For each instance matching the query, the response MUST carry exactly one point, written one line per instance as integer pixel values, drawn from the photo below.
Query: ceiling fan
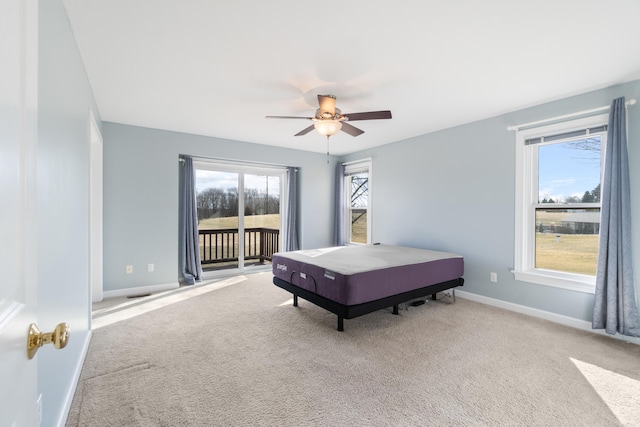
(329, 120)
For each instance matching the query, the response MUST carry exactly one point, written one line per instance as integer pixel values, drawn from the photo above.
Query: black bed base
(352, 311)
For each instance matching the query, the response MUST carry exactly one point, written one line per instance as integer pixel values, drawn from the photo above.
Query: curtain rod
(368, 159)
(567, 116)
(234, 162)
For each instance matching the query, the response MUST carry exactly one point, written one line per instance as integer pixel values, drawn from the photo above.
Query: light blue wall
(454, 190)
(65, 98)
(141, 196)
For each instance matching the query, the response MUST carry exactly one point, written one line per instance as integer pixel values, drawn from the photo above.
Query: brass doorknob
(36, 339)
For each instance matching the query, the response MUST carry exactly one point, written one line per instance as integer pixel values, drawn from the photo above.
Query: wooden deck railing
(221, 246)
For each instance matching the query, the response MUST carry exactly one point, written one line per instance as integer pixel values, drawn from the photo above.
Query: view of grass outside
(572, 253)
(252, 221)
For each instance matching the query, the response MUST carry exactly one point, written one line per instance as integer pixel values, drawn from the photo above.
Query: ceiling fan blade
(287, 117)
(370, 115)
(327, 104)
(305, 131)
(351, 130)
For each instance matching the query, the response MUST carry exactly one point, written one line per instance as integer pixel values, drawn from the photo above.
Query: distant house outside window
(558, 175)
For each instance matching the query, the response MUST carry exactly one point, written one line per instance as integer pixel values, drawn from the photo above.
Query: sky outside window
(218, 179)
(568, 169)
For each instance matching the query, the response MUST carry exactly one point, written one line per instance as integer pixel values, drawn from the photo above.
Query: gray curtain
(615, 306)
(290, 235)
(339, 204)
(191, 268)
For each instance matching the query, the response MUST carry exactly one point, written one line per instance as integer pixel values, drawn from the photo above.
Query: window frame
(353, 168)
(526, 201)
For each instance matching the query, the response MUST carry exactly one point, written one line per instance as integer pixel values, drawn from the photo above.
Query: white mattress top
(355, 259)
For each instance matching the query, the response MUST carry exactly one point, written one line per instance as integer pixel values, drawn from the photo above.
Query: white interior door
(18, 141)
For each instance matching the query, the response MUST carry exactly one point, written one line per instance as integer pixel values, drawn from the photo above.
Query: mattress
(358, 274)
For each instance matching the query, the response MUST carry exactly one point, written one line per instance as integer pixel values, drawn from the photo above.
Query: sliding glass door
(262, 217)
(239, 218)
(218, 220)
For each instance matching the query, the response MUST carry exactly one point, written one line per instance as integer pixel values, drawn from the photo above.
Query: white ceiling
(216, 68)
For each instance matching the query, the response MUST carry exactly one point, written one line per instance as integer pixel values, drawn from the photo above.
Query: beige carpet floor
(235, 352)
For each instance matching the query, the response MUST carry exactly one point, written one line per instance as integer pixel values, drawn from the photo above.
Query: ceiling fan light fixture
(329, 120)
(328, 127)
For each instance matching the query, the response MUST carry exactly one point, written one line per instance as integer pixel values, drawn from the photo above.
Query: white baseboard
(76, 378)
(140, 290)
(541, 314)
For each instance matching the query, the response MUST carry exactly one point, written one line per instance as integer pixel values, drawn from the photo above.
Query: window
(558, 175)
(239, 218)
(357, 190)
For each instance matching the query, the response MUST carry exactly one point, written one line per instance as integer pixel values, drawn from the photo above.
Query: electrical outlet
(494, 277)
(150, 267)
(129, 269)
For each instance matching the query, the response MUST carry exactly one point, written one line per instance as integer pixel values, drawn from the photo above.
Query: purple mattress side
(367, 286)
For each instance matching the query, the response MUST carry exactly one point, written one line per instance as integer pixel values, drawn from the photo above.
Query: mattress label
(330, 275)
(302, 275)
(281, 267)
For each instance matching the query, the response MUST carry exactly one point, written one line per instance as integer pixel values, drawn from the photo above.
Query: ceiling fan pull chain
(327, 149)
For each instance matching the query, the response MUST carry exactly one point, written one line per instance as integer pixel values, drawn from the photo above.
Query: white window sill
(573, 282)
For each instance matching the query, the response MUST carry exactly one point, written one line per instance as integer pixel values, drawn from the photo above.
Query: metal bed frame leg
(453, 295)
(340, 323)
(295, 300)
(395, 309)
